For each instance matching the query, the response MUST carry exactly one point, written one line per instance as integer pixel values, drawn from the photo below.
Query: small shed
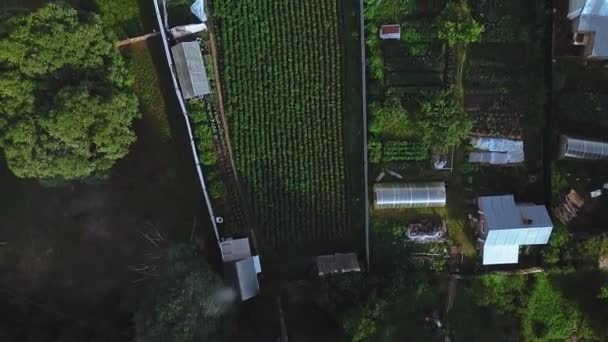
(590, 26)
(390, 31)
(409, 195)
(190, 69)
(338, 263)
(241, 275)
(505, 226)
(582, 148)
(240, 267)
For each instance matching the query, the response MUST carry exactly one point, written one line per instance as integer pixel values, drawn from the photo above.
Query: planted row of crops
(281, 67)
(397, 151)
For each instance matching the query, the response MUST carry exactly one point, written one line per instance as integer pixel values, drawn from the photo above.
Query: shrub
(442, 120)
(457, 26)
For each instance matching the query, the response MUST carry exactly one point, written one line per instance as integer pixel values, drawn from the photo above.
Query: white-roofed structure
(235, 249)
(409, 195)
(506, 225)
(590, 26)
(582, 148)
(190, 70)
(198, 9)
(241, 268)
(496, 151)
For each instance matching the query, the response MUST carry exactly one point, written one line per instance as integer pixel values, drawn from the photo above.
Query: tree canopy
(65, 107)
(183, 303)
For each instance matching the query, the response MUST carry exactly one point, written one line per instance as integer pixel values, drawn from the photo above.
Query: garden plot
(281, 64)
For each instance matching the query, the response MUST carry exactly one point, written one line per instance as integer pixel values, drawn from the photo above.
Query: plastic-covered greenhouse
(409, 195)
(582, 148)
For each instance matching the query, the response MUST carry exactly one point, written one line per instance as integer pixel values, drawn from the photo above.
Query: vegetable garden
(281, 64)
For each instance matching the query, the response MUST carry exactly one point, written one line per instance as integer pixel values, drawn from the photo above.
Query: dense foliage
(390, 119)
(550, 316)
(201, 112)
(282, 71)
(65, 112)
(442, 120)
(457, 26)
(184, 303)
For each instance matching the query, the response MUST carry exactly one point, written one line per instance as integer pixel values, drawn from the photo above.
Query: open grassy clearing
(284, 73)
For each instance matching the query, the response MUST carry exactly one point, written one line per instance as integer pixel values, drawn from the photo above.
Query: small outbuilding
(409, 195)
(506, 225)
(578, 148)
(590, 26)
(390, 32)
(496, 151)
(190, 70)
(240, 268)
(338, 263)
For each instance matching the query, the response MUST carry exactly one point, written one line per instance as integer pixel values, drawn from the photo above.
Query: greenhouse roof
(190, 69)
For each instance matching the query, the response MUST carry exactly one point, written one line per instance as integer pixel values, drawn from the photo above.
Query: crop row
(281, 67)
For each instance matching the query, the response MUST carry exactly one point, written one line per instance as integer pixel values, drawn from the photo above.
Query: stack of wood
(569, 207)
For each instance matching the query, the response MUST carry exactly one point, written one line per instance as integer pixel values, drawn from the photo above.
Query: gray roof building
(190, 70)
(590, 25)
(507, 225)
(241, 275)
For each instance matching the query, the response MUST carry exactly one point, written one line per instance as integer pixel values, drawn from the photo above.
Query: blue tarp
(198, 9)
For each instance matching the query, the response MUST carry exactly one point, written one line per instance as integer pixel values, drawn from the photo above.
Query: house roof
(495, 255)
(390, 31)
(190, 69)
(510, 225)
(235, 249)
(242, 277)
(592, 17)
(501, 212)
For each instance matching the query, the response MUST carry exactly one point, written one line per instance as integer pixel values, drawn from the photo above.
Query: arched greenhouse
(582, 148)
(409, 195)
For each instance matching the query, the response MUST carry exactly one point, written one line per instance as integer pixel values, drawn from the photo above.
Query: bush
(457, 26)
(442, 120)
(390, 120)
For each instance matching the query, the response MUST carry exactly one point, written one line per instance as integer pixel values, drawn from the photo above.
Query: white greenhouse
(582, 148)
(409, 195)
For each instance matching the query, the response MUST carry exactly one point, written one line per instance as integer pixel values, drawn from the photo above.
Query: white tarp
(198, 9)
(496, 151)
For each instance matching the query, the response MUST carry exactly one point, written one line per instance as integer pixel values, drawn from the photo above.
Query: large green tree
(66, 109)
(184, 303)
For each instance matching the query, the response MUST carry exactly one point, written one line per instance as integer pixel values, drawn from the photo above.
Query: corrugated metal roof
(501, 212)
(495, 255)
(190, 70)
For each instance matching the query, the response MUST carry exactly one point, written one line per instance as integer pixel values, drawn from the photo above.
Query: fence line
(364, 104)
(182, 105)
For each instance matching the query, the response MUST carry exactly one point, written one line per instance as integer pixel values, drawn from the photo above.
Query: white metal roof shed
(409, 195)
(509, 225)
(190, 70)
(592, 16)
(242, 277)
(235, 249)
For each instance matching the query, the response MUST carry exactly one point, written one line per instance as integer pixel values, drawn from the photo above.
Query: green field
(284, 70)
